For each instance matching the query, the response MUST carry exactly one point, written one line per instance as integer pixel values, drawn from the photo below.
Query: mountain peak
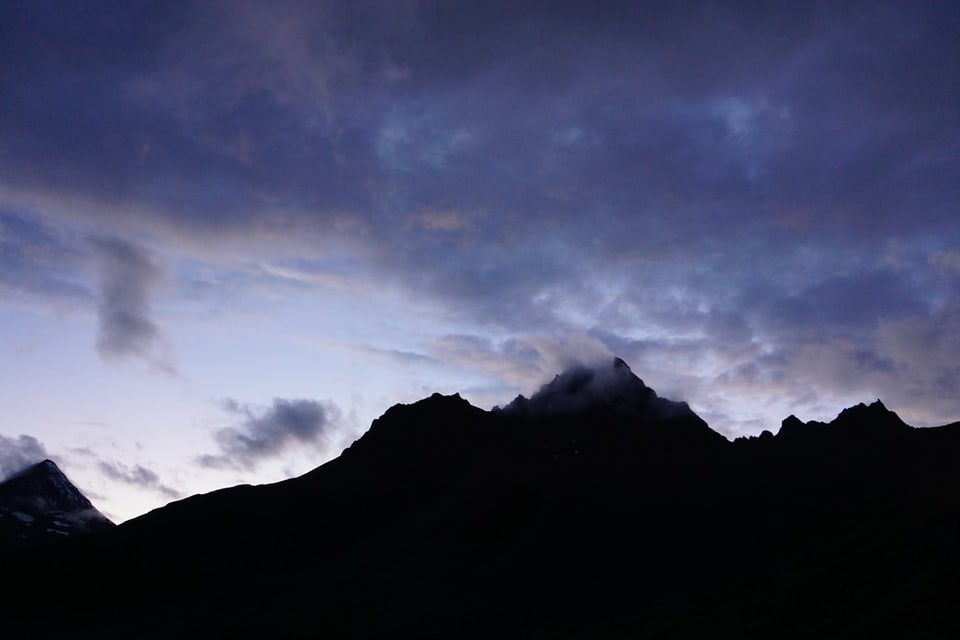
(858, 419)
(790, 425)
(40, 502)
(44, 480)
(874, 417)
(425, 425)
(582, 387)
(45, 469)
(608, 406)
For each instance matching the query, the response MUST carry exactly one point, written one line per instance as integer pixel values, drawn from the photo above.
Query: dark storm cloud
(267, 433)
(126, 104)
(659, 126)
(138, 476)
(267, 94)
(128, 275)
(740, 179)
(645, 168)
(18, 453)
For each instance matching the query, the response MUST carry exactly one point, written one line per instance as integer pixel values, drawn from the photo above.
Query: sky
(234, 233)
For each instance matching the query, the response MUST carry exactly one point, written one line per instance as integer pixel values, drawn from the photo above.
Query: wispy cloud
(138, 476)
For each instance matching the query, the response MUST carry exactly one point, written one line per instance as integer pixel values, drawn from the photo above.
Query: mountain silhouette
(593, 509)
(869, 421)
(39, 503)
(608, 411)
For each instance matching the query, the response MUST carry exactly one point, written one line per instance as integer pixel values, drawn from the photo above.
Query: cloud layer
(740, 200)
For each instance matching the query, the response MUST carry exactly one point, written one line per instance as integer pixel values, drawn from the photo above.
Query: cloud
(268, 433)
(707, 185)
(19, 453)
(395, 357)
(128, 277)
(518, 364)
(608, 383)
(138, 476)
(240, 44)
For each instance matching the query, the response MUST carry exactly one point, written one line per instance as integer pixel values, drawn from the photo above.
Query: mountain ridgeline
(593, 509)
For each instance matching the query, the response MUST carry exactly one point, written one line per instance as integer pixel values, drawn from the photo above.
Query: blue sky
(233, 233)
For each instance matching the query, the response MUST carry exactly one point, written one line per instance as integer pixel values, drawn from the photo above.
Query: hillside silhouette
(593, 509)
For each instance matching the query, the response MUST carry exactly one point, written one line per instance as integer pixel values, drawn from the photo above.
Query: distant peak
(791, 425)
(45, 477)
(875, 414)
(44, 468)
(859, 418)
(440, 398)
(48, 465)
(791, 421)
(609, 384)
(874, 409)
(44, 493)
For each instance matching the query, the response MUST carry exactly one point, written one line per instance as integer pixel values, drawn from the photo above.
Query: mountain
(593, 509)
(608, 409)
(871, 421)
(39, 503)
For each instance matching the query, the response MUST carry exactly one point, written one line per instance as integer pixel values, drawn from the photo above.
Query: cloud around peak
(19, 453)
(743, 198)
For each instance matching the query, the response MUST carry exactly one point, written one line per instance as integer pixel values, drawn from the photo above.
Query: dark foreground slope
(594, 509)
